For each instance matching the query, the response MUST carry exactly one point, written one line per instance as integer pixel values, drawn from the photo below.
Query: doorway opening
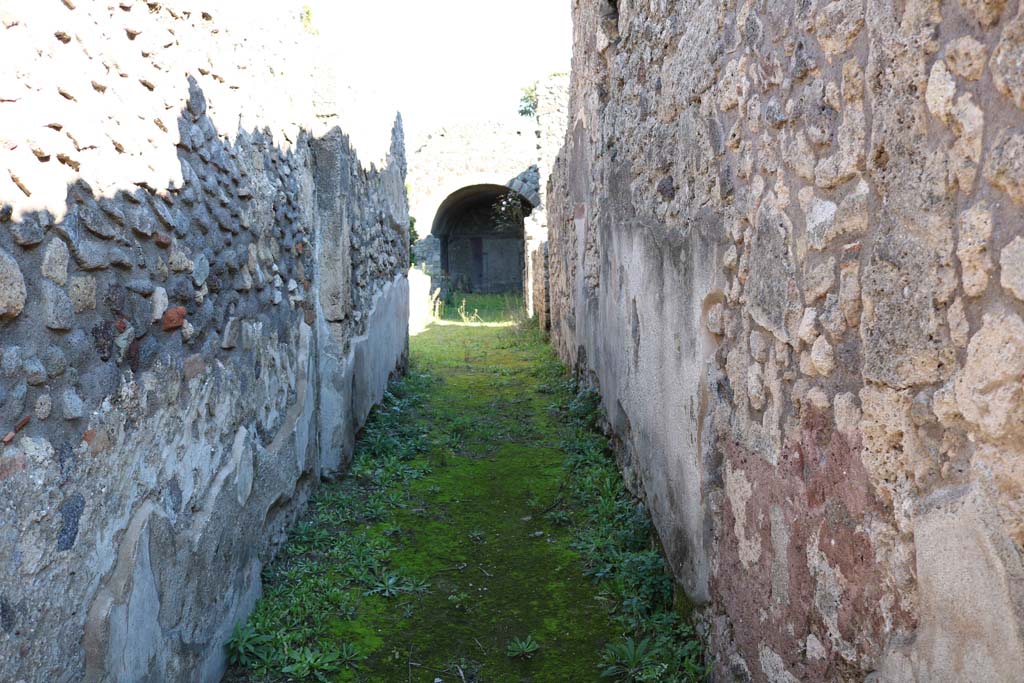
(481, 234)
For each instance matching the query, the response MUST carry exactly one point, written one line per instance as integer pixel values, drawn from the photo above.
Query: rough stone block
(174, 318)
(966, 58)
(55, 262)
(1011, 264)
(30, 231)
(972, 249)
(58, 311)
(990, 388)
(82, 292)
(160, 302)
(44, 405)
(72, 405)
(35, 373)
(12, 287)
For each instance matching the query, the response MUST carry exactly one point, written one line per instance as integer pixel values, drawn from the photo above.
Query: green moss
(442, 547)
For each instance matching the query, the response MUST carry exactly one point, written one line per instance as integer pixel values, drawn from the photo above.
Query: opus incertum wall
(787, 244)
(200, 301)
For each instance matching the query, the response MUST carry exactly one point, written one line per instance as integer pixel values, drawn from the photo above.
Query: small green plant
(307, 20)
(348, 655)
(559, 517)
(246, 646)
(311, 663)
(522, 648)
(528, 101)
(388, 585)
(459, 600)
(477, 536)
(630, 660)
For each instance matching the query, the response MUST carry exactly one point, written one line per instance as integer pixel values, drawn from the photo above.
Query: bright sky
(445, 60)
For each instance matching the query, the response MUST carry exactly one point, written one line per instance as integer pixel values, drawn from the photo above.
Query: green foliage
(348, 655)
(306, 17)
(416, 557)
(508, 213)
(528, 101)
(631, 660)
(306, 663)
(485, 308)
(333, 560)
(247, 647)
(459, 600)
(387, 584)
(614, 536)
(522, 648)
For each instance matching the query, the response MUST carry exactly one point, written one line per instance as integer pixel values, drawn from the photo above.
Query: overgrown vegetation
(528, 102)
(484, 535)
(509, 212)
(306, 16)
(613, 534)
(481, 308)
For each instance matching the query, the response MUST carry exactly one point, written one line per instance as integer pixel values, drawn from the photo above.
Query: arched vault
(481, 234)
(469, 201)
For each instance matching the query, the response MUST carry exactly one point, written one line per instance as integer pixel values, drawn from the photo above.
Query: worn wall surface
(202, 294)
(787, 244)
(552, 119)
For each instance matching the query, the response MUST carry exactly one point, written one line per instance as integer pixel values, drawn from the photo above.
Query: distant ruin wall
(459, 156)
(787, 244)
(202, 294)
(519, 157)
(552, 119)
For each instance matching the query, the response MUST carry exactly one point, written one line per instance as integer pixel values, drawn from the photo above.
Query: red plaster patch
(11, 466)
(819, 485)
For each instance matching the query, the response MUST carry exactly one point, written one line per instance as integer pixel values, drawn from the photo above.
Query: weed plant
(613, 534)
(333, 558)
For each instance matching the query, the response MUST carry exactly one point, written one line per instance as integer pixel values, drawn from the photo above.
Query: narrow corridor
(483, 535)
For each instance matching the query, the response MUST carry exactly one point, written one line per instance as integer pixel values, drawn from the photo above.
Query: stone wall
(786, 244)
(552, 119)
(202, 294)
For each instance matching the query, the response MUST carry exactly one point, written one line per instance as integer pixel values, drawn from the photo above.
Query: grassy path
(459, 549)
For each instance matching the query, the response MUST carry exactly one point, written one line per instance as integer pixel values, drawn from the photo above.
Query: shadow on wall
(143, 496)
